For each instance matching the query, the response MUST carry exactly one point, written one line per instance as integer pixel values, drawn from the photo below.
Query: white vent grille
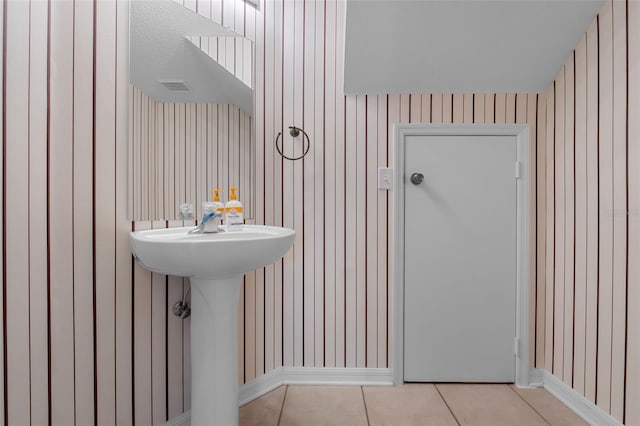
(175, 85)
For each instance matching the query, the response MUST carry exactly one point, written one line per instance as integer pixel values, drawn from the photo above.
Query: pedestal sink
(215, 263)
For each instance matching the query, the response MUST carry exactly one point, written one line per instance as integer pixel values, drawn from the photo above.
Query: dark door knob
(417, 178)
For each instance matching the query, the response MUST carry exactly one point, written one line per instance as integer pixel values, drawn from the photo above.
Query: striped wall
(238, 60)
(87, 334)
(326, 303)
(591, 214)
(88, 337)
(66, 270)
(235, 54)
(180, 152)
(2, 232)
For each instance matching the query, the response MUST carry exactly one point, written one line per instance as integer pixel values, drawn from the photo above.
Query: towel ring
(294, 132)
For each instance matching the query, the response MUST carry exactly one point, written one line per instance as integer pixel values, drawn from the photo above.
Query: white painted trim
(536, 378)
(586, 409)
(523, 255)
(183, 419)
(397, 255)
(382, 377)
(260, 386)
(521, 133)
(302, 376)
(337, 376)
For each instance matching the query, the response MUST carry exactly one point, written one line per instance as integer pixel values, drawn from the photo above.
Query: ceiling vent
(175, 85)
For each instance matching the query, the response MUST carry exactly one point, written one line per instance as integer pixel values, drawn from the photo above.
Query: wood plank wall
(592, 284)
(180, 152)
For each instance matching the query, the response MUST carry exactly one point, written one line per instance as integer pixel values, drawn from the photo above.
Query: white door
(460, 259)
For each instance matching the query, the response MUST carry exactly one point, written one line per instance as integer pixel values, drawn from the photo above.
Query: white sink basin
(215, 263)
(213, 256)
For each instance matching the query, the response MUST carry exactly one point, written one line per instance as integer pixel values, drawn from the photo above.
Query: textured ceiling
(159, 51)
(428, 46)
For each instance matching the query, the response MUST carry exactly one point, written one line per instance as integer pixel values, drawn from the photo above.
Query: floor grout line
(521, 396)
(446, 403)
(532, 407)
(284, 398)
(366, 410)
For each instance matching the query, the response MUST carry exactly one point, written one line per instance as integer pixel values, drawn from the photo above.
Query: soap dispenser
(234, 213)
(218, 206)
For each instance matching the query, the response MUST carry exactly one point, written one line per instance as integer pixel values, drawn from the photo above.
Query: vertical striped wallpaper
(2, 233)
(589, 204)
(66, 269)
(326, 303)
(87, 333)
(180, 152)
(235, 54)
(237, 59)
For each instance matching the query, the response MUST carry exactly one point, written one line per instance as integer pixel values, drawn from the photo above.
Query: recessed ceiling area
(159, 52)
(461, 46)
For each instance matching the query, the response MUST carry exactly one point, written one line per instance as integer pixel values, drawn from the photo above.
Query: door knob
(417, 178)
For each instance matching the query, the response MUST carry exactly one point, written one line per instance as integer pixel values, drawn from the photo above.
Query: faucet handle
(186, 211)
(210, 219)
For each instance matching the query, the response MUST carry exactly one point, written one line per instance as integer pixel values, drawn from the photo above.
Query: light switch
(385, 178)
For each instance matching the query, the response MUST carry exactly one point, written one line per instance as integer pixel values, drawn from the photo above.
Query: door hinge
(516, 347)
(518, 169)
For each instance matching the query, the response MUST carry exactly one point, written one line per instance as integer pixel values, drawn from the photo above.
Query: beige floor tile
(490, 405)
(264, 410)
(554, 411)
(408, 405)
(323, 406)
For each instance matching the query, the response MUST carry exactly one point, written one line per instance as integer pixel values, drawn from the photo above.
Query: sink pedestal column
(214, 351)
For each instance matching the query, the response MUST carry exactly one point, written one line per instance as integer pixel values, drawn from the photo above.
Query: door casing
(521, 134)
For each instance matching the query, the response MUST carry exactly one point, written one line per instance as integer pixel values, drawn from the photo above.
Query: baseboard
(260, 386)
(536, 378)
(337, 376)
(183, 419)
(586, 409)
(302, 376)
(590, 412)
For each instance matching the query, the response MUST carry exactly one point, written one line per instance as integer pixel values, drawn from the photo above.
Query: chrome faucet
(209, 224)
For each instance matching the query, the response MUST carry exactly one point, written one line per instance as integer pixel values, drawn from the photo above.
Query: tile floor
(412, 404)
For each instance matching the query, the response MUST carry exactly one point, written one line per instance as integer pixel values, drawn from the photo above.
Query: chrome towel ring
(294, 132)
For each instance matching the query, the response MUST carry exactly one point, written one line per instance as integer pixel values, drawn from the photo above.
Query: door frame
(523, 188)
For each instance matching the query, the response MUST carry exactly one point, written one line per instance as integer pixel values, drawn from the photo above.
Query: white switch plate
(385, 178)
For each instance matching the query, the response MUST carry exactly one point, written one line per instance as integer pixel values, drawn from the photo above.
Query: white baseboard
(303, 376)
(260, 386)
(590, 412)
(586, 409)
(183, 419)
(536, 378)
(337, 376)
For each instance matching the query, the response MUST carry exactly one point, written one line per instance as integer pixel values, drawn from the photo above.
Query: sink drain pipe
(182, 308)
